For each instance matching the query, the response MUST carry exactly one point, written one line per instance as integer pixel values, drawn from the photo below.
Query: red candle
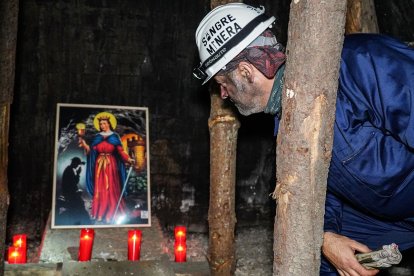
(180, 234)
(85, 244)
(134, 244)
(16, 255)
(180, 252)
(20, 241)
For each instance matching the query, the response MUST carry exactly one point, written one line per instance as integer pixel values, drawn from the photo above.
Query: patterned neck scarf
(274, 105)
(264, 53)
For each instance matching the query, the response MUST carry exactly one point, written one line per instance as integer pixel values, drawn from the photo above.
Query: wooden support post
(223, 127)
(8, 36)
(361, 17)
(304, 143)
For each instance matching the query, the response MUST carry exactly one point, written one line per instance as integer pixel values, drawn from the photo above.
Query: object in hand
(81, 129)
(387, 256)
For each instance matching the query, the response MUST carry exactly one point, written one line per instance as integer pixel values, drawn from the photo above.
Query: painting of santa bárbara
(101, 168)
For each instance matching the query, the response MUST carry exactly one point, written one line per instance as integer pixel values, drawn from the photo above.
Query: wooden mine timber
(315, 38)
(303, 152)
(361, 17)
(223, 126)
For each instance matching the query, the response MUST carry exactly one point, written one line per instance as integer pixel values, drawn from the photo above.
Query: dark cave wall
(126, 53)
(138, 53)
(395, 18)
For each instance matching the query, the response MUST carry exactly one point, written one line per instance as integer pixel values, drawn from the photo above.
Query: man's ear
(246, 70)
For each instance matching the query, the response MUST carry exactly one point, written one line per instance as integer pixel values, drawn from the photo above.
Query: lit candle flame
(19, 242)
(15, 254)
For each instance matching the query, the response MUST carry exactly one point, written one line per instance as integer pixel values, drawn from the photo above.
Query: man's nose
(223, 92)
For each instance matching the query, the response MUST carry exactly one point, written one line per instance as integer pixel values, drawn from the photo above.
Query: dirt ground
(254, 252)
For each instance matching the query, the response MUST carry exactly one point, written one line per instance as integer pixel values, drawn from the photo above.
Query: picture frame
(101, 175)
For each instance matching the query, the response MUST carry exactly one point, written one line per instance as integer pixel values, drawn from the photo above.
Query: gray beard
(246, 111)
(251, 107)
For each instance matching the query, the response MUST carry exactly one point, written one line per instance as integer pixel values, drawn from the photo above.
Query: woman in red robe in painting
(105, 174)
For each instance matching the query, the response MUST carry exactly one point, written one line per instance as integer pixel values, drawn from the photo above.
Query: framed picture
(101, 167)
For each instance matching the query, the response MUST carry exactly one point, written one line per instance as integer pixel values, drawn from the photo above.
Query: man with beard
(370, 183)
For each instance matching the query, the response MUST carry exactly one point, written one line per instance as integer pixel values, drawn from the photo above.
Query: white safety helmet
(224, 33)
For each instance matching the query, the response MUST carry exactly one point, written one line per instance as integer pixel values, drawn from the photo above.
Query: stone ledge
(110, 268)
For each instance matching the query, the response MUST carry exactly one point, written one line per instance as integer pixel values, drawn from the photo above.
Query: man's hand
(340, 251)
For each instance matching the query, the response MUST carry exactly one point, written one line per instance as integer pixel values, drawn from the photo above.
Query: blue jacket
(372, 166)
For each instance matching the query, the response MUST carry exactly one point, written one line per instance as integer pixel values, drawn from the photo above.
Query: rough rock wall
(128, 53)
(138, 53)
